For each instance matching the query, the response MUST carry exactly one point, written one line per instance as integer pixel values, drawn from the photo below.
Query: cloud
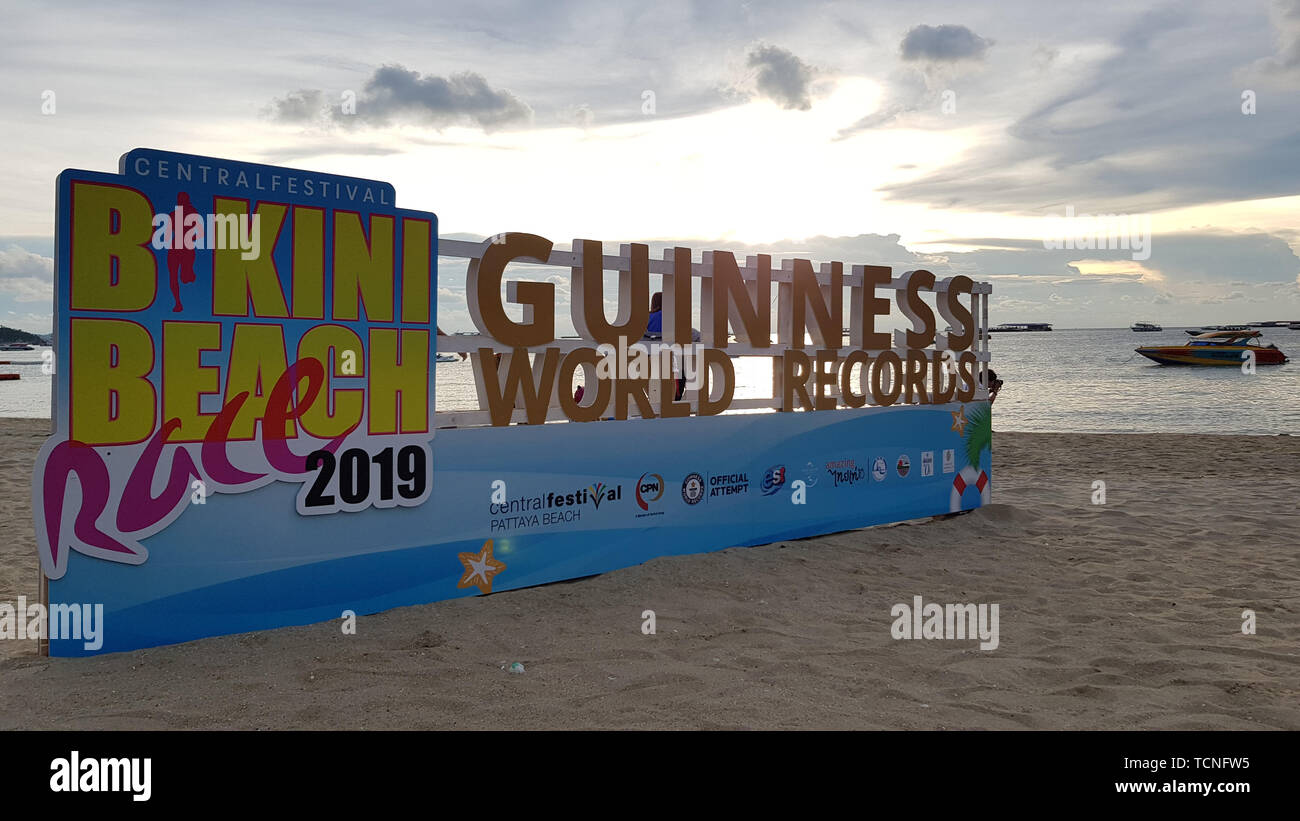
(25, 276)
(18, 262)
(934, 56)
(30, 322)
(1123, 127)
(1286, 22)
(27, 289)
(303, 106)
(579, 115)
(395, 94)
(782, 77)
(908, 90)
(318, 148)
(1089, 288)
(944, 44)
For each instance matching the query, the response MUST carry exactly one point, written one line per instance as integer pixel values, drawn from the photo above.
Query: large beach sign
(246, 435)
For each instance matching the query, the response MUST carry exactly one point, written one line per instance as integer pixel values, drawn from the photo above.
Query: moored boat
(1018, 327)
(1208, 328)
(1216, 348)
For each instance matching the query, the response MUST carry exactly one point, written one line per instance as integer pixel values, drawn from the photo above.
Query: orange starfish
(480, 566)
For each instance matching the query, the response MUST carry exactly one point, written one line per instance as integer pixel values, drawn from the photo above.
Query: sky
(950, 136)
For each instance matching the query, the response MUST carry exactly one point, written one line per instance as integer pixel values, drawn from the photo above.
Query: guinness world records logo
(692, 488)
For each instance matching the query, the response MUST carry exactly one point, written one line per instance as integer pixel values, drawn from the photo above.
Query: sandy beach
(1126, 615)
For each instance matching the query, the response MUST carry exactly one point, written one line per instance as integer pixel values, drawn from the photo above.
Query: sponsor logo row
(648, 493)
(847, 472)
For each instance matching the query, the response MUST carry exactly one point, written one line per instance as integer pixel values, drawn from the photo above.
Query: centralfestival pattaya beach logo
(222, 326)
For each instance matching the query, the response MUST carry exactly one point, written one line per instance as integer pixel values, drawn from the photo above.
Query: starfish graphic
(959, 420)
(481, 566)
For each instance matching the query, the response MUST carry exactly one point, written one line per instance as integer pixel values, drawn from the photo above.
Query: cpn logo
(649, 488)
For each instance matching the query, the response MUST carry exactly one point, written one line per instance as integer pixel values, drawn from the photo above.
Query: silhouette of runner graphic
(180, 260)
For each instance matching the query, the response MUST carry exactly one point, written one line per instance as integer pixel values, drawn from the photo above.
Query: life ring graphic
(966, 477)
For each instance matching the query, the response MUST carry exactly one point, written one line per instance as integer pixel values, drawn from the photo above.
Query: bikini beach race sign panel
(246, 437)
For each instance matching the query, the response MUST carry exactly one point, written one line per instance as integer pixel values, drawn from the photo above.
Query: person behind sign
(654, 327)
(654, 330)
(994, 384)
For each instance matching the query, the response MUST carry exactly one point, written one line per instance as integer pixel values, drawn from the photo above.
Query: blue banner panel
(578, 499)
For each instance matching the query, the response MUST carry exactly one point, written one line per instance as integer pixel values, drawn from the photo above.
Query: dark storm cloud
(946, 43)
(394, 93)
(782, 76)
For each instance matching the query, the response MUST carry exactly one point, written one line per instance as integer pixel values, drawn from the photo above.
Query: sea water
(1085, 380)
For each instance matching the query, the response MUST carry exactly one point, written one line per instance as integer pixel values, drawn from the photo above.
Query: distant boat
(1016, 327)
(8, 376)
(1145, 327)
(16, 346)
(1208, 328)
(1221, 348)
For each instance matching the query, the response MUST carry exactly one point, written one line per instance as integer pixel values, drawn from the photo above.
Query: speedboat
(1216, 348)
(1145, 327)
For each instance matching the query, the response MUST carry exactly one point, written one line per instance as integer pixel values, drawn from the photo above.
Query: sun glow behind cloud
(751, 173)
(1119, 268)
